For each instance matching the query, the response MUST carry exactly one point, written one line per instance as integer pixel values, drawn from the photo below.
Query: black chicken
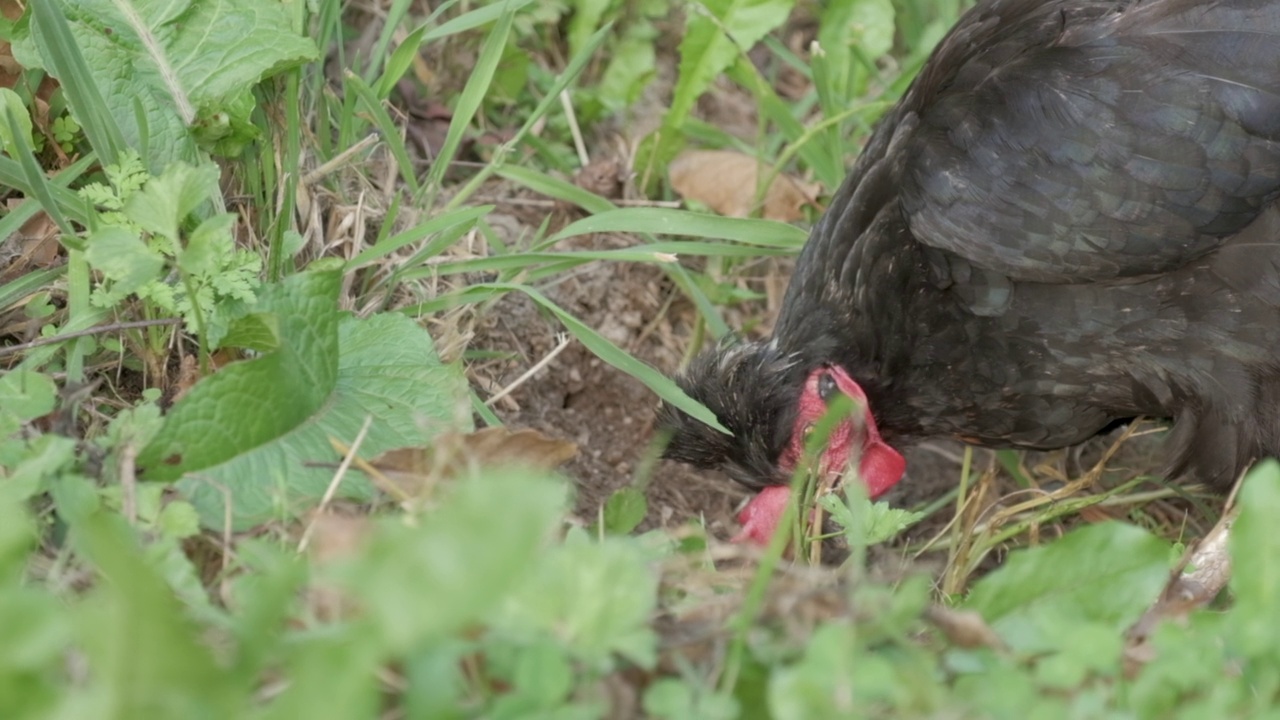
(1069, 219)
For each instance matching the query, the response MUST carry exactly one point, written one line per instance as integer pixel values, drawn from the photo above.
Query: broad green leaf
(176, 65)
(837, 677)
(36, 632)
(852, 29)
(387, 369)
(17, 537)
(871, 27)
(458, 566)
(706, 50)
(883, 521)
(671, 699)
(253, 402)
(1106, 573)
(178, 520)
(258, 331)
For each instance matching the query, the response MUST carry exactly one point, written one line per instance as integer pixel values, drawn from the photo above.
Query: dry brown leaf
(1210, 563)
(413, 472)
(964, 628)
(725, 181)
(34, 246)
(334, 538)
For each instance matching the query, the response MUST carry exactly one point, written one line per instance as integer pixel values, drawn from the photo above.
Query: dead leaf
(603, 176)
(334, 539)
(188, 374)
(412, 473)
(725, 181)
(34, 246)
(1187, 590)
(337, 537)
(963, 628)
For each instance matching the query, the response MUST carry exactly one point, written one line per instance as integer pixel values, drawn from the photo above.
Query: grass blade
(68, 65)
(660, 384)
(660, 221)
(472, 96)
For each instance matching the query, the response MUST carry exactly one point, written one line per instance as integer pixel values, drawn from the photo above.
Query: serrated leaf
(123, 258)
(1105, 573)
(387, 369)
(595, 597)
(165, 201)
(632, 62)
(178, 520)
(836, 678)
(883, 521)
(136, 635)
(208, 245)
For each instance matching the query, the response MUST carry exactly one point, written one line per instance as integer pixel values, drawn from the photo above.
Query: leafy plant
(143, 245)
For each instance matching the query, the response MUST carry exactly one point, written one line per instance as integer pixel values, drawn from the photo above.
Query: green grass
(252, 247)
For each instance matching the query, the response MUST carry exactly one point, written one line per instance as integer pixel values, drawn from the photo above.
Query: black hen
(1069, 219)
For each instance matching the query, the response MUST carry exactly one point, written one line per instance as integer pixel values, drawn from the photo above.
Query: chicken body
(1069, 219)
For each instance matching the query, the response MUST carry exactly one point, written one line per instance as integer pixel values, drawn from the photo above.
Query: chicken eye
(827, 387)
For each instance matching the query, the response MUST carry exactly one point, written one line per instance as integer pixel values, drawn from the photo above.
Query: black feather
(1069, 219)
